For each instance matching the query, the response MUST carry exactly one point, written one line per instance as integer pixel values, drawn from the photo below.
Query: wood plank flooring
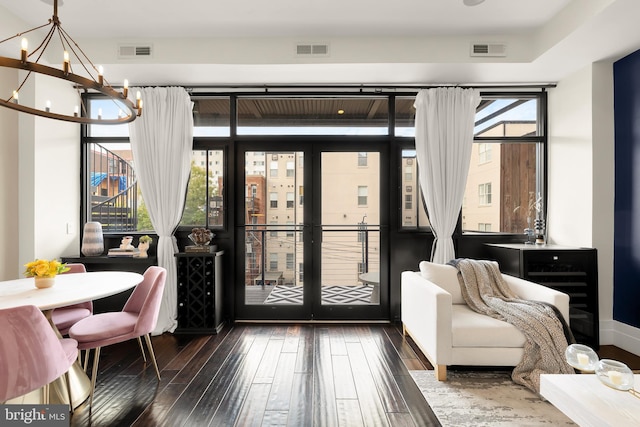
(263, 375)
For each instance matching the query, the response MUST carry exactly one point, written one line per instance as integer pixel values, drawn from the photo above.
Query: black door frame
(311, 309)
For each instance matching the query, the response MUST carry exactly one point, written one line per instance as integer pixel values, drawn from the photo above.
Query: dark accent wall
(626, 266)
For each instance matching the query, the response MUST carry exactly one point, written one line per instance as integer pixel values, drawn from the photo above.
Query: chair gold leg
(147, 338)
(45, 394)
(94, 373)
(86, 359)
(144, 358)
(68, 383)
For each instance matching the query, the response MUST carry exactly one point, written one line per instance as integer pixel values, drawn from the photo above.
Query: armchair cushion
(472, 329)
(445, 276)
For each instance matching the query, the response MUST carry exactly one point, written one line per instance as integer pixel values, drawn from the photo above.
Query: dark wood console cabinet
(567, 269)
(199, 292)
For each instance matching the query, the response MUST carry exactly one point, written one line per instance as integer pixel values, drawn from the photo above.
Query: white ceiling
(412, 42)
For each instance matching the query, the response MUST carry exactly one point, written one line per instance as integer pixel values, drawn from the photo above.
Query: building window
(484, 227)
(290, 261)
(408, 173)
(408, 188)
(408, 201)
(273, 169)
(273, 232)
(290, 200)
(300, 272)
(363, 192)
(484, 153)
(273, 200)
(290, 229)
(273, 262)
(484, 194)
(362, 159)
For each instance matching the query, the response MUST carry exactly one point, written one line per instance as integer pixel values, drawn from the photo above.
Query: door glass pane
(273, 228)
(350, 252)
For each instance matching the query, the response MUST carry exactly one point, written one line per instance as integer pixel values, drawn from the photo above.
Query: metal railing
(114, 191)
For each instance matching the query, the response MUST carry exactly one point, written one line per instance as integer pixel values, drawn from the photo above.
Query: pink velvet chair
(65, 317)
(138, 318)
(31, 354)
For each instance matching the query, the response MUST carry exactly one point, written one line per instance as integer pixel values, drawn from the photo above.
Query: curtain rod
(367, 87)
(353, 87)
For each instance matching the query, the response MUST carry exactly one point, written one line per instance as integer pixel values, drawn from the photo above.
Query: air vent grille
(312, 49)
(135, 51)
(489, 49)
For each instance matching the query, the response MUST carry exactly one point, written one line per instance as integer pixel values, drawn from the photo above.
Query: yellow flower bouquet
(44, 268)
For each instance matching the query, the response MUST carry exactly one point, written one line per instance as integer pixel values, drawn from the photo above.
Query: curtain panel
(444, 123)
(162, 141)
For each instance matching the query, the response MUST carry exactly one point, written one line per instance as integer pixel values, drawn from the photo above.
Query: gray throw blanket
(485, 291)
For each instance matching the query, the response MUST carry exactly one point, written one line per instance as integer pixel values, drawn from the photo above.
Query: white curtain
(445, 119)
(161, 141)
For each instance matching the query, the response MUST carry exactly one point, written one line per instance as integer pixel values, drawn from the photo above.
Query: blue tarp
(98, 177)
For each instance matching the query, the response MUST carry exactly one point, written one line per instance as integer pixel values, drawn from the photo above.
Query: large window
(505, 174)
(505, 171)
(113, 196)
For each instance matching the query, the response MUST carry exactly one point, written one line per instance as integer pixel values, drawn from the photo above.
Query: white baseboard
(621, 335)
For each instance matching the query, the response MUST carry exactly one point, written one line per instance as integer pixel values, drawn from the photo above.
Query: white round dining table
(68, 289)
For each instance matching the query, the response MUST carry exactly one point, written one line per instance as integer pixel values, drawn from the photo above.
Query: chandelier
(94, 80)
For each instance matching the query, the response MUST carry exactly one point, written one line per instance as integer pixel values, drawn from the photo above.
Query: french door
(313, 234)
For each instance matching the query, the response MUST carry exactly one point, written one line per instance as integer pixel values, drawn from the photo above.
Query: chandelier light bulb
(15, 96)
(76, 110)
(23, 50)
(47, 107)
(125, 89)
(100, 74)
(65, 63)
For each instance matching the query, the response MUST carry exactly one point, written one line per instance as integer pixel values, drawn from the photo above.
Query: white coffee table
(588, 402)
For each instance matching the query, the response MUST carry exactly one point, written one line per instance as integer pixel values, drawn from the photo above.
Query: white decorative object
(125, 243)
(615, 374)
(581, 357)
(92, 239)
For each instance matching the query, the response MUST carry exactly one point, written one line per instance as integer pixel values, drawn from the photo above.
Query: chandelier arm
(65, 37)
(25, 32)
(43, 44)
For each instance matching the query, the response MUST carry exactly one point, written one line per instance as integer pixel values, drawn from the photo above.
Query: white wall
(49, 174)
(581, 170)
(8, 182)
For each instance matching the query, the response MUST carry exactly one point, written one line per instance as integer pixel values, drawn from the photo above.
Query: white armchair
(449, 333)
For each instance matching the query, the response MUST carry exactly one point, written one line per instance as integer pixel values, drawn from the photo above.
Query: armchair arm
(426, 312)
(536, 292)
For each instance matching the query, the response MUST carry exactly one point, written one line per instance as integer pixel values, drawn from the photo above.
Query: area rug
(281, 294)
(488, 398)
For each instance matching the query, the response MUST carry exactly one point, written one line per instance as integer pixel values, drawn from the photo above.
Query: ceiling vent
(134, 51)
(312, 49)
(489, 49)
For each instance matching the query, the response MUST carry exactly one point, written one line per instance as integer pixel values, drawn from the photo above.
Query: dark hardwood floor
(263, 375)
